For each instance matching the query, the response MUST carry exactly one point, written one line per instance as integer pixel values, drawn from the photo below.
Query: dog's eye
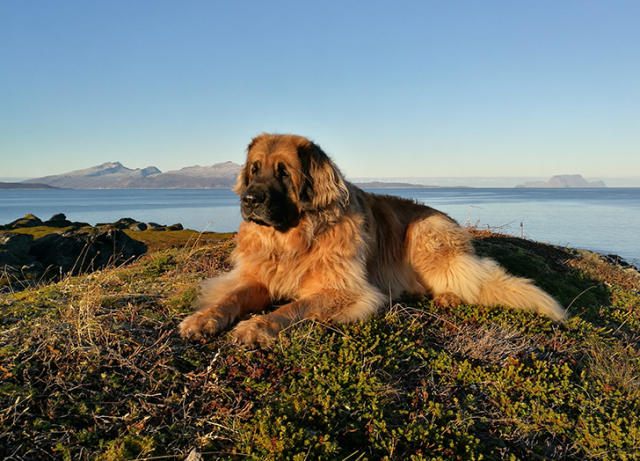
(255, 167)
(282, 171)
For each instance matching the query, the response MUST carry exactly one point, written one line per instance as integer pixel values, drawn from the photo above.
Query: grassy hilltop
(91, 367)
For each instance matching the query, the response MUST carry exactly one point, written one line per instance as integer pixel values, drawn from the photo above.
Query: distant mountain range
(563, 181)
(114, 175)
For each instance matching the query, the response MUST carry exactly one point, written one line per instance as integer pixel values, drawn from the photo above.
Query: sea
(606, 220)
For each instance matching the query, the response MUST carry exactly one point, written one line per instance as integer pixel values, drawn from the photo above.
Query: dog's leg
(223, 300)
(336, 305)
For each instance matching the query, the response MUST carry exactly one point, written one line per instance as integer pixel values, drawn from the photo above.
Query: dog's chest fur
(269, 255)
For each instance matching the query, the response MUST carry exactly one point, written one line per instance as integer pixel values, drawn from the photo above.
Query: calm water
(605, 220)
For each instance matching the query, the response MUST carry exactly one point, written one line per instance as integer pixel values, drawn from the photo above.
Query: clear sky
(424, 88)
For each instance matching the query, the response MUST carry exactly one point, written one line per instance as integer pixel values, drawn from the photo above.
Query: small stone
(139, 226)
(58, 217)
(124, 223)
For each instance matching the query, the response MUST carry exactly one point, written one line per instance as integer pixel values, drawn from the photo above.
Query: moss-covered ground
(91, 367)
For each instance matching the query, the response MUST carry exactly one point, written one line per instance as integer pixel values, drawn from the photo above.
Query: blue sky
(389, 89)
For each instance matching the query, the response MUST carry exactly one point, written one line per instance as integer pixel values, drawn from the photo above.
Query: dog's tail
(482, 281)
(442, 256)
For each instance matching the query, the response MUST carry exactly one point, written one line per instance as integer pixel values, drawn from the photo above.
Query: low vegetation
(91, 367)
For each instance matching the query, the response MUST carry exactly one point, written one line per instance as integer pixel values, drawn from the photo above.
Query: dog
(323, 249)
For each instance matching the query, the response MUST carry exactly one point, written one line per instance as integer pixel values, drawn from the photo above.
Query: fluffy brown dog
(330, 251)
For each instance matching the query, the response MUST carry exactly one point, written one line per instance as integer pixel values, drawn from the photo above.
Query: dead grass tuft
(491, 344)
(616, 367)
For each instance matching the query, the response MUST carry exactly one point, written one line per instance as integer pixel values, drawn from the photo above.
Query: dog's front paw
(447, 299)
(202, 324)
(257, 331)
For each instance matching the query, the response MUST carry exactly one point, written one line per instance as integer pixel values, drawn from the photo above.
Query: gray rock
(139, 226)
(14, 249)
(124, 223)
(58, 220)
(154, 226)
(27, 220)
(86, 249)
(18, 243)
(58, 217)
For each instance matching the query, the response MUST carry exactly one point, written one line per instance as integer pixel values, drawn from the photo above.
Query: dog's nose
(253, 198)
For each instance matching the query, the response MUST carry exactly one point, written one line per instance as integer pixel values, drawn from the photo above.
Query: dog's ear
(242, 181)
(323, 185)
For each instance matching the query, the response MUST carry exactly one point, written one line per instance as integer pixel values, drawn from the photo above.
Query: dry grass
(493, 344)
(616, 366)
(160, 240)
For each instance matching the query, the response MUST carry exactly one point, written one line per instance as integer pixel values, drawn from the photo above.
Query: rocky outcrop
(27, 220)
(60, 220)
(132, 224)
(57, 220)
(86, 249)
(27, 255)
(30, 252)
(72, 252)
(14, 250)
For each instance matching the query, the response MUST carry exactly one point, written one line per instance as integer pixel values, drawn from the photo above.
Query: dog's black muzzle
(268, 207)
(256, 205)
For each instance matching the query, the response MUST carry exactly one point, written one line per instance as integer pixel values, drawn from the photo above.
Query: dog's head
(286, 176)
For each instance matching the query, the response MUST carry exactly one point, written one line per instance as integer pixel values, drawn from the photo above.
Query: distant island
(24, 186)
(563, 181)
